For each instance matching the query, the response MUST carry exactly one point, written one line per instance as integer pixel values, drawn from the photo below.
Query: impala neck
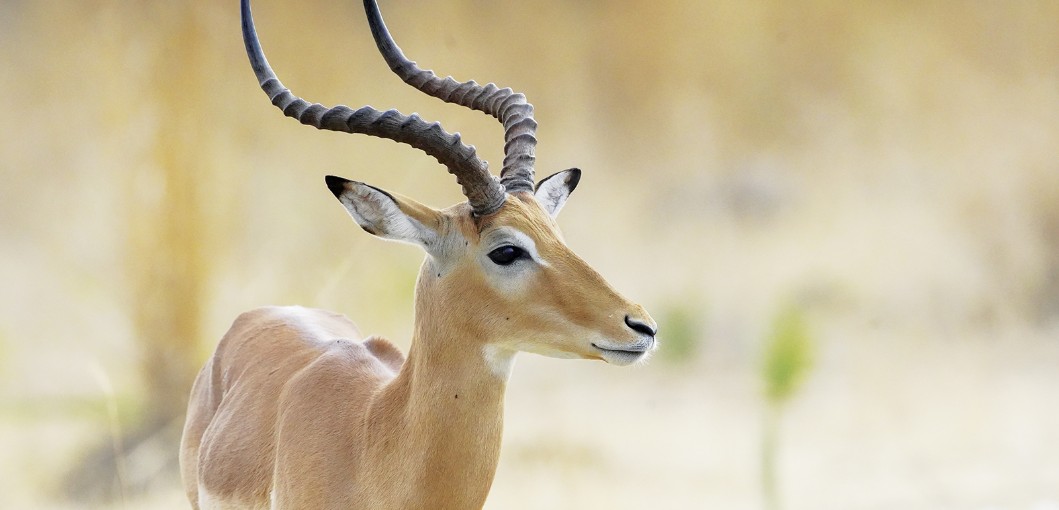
(451, 400)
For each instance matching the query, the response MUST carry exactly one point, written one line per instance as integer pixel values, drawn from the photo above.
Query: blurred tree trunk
(169, 231)
(169, 240)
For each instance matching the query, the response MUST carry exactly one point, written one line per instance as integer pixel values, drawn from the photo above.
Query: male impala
(296, 410)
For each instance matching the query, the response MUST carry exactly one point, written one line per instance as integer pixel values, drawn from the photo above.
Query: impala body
(296, 410)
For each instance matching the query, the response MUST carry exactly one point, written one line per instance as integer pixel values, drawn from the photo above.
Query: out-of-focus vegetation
(788, 358)
(683, 331)
(788, 355)
(893, 166)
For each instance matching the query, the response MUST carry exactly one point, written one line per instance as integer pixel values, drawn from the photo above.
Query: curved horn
(510, 108)
(483, 192)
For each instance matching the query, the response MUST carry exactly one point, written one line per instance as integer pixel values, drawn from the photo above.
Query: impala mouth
(626, 355)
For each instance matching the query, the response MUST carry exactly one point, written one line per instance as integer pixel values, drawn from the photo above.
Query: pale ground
(881, 424)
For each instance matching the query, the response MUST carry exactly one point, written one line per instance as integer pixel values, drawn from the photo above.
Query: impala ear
(553, 190)
(382, 214)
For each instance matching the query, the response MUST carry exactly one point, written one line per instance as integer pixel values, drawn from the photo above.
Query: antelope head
(497, 268)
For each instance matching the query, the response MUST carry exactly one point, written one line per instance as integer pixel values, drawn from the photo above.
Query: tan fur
(294, 405)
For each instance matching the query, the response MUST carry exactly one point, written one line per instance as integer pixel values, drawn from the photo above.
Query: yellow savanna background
(843, 215)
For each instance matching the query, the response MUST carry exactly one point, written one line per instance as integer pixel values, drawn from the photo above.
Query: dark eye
(505, 255)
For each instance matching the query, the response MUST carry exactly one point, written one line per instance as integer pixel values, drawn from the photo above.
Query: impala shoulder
(341, 377)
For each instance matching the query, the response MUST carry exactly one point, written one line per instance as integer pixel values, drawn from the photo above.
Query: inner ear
(382, 214)
(553, 190)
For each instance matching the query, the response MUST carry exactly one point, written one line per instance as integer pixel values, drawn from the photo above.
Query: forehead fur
(521, 212)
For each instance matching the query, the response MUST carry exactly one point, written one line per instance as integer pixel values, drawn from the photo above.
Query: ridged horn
(483, 192)
(509, 107)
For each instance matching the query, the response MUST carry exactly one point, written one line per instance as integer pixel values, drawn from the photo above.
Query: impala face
(508, 277)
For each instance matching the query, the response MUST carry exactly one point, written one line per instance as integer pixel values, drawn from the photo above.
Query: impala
(296, 410)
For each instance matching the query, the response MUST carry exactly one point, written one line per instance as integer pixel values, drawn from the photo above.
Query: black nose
(640, 327)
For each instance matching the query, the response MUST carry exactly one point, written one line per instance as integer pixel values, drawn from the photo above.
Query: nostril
(640, 327)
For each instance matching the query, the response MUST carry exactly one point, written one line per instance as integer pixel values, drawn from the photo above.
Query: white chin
(623, 358)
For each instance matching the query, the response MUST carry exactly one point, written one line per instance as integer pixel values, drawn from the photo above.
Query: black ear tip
(570, 176)
(336, 184)
(573, 176)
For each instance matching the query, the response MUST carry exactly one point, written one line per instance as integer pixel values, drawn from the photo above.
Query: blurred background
(844, 216)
